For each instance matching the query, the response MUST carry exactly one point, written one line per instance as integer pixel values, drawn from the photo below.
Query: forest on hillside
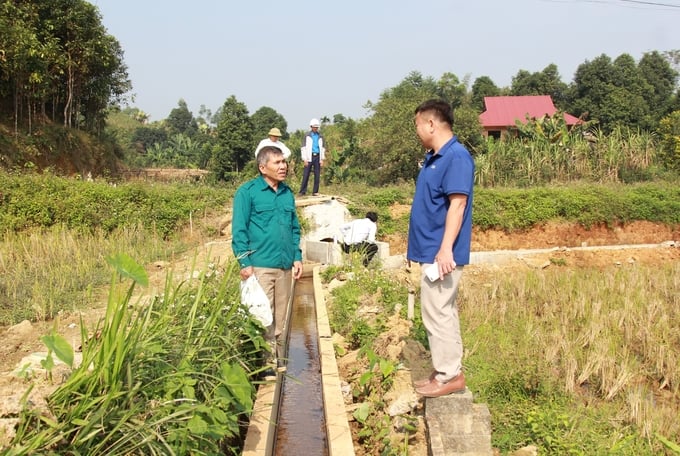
(60, 66)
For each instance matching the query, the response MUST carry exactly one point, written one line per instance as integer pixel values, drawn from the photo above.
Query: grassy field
(579, 361)
(574, 361)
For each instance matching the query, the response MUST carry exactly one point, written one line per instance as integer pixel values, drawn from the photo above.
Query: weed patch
(174, 376)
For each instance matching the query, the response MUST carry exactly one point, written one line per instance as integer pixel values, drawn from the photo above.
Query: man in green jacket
(266, 238)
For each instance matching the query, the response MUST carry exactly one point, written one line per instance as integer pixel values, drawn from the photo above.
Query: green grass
(36, 201)
(174, 376)
(580, 362)
(511, 208)
(366, 289)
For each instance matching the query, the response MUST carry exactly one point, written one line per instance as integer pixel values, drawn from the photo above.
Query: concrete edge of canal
(339, 434)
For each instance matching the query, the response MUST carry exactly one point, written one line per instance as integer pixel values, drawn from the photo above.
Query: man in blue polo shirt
(266, 240)
(439, 238)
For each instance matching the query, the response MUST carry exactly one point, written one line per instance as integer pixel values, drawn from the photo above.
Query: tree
(62, 63)
(347, 154)
(483, 87)
(265, 119)
(205, 116)
(657, 72)
(623, 93)
(467, 127)
(450, 88)
(629, 83)
(181, 120)
(146, 136)
(546, 82)
(390, 149)
(673, 58)
(393, 149)
(20, 45)
(590, 87)
(234, 139)
(90, 59)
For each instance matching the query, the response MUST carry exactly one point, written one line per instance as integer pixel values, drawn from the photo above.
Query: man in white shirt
(359, 236)
(313, 153)
(273, 140)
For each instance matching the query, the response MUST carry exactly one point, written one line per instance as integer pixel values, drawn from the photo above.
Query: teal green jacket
(264, 226)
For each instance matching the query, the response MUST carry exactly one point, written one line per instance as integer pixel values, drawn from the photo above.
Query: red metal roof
(504, 111)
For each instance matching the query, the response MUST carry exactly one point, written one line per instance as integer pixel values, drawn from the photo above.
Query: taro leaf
(237, 381)
(48, 362)
(361, 413)
(386, 367)
(365, 378)
(60, 347)
(127, 267)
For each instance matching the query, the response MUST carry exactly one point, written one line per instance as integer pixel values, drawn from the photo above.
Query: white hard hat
(314, 123)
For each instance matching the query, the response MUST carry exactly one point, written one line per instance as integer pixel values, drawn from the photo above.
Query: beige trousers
(440, 316)
(278, 285)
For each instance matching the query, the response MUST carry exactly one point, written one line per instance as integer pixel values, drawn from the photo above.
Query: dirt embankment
(552, 235)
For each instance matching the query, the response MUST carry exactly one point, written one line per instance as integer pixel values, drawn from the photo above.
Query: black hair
(372, 216)
(439, 109)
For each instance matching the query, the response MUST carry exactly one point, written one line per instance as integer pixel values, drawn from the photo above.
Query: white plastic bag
(254, 297)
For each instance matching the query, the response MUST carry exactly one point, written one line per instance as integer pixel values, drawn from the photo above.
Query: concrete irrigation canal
(302, 412)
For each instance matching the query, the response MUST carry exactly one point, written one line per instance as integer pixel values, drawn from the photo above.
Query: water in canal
(301, 425)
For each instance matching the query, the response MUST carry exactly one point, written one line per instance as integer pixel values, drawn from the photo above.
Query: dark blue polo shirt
(451, 171)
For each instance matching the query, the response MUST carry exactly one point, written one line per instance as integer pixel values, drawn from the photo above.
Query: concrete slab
(322, 252)
(457, 426)
(331, 252)
(501, 256)
(324, 219)
(262, 426)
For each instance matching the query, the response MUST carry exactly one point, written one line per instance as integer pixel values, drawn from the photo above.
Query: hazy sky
(312, 59)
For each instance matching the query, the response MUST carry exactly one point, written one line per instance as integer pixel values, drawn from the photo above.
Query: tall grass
(173, 377)
(622, 156)
(593, 344)
(53, 270)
